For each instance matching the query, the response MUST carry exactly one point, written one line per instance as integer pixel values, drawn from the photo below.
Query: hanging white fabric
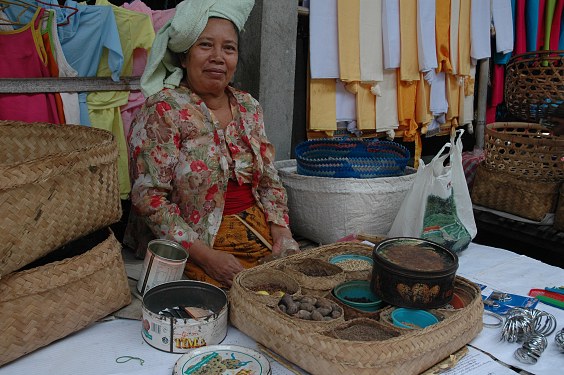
(391, 33)
(502, 15)
(426, 43)
(480, 21)
(371, 59)
(323, 38)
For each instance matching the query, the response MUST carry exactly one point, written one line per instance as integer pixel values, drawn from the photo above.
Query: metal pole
(482, 102)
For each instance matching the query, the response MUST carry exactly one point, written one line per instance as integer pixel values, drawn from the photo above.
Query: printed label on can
(164, 262)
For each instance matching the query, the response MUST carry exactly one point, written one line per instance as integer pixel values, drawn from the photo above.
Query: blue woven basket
(351, 158)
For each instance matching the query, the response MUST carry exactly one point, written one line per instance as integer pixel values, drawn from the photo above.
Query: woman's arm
(219, 265)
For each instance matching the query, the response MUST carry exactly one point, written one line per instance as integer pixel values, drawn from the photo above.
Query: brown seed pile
(309, 308)
(354, 265)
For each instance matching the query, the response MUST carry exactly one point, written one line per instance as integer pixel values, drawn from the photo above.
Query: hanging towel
(520, 27)
(178, 35)
(391, 33)
(452, 96)
(454, 26)
(409, 64)
(549, 16)
(323, 39)
(426, 47)
(556, 25)
(407, 98)
(345, 102)
(371, 60)
(469, 96)
(322, 111)
(480, 17)
(442, 30)
(503, 22)
(464, 38)
(348, 19)
(503, 58)
(438, 101)
(422, 107)
(532, 13)
(387, 102)
(365, 105)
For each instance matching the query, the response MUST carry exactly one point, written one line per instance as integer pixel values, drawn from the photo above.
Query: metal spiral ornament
(559, 339)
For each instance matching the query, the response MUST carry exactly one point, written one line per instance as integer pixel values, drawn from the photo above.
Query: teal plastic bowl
(412, 318)
(357, 294)
(344, 258)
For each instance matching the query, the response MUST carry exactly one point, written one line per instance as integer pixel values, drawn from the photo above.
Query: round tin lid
(415, 255)
(222, 359)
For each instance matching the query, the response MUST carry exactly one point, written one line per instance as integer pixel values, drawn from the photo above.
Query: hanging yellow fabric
(442, 35)
(409, 63)
(422, 107)
(407, 97)
(322, 104)
(464, 38)
(453, 97)
(348, 24)
(365, 106)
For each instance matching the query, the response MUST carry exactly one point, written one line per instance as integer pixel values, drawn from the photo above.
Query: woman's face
(210, 63)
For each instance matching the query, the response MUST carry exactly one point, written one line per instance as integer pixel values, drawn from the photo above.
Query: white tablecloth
(93, 351)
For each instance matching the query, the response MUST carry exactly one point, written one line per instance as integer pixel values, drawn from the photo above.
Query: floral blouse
(180, 161)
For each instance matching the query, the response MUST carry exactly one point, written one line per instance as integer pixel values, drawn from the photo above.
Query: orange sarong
(235, 238)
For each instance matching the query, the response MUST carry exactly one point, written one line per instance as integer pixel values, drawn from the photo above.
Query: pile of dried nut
(309, 307)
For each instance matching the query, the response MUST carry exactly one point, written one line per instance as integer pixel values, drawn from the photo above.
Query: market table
(95, 349)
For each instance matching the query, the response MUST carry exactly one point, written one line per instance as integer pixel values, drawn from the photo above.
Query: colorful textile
(24, 56)
(238, 197)
(235, 238)
(180, 160)
(348, 21)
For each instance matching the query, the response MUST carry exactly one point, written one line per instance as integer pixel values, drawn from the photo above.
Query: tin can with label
(164, 262)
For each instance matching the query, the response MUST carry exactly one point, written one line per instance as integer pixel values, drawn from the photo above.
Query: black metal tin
(414, 273)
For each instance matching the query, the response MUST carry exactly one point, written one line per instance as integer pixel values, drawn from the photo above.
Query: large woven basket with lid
(57, 183)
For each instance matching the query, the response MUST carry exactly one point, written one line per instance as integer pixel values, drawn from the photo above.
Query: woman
(201, 163)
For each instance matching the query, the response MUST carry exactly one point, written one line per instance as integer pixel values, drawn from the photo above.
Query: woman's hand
(283, 242)
(222, 266)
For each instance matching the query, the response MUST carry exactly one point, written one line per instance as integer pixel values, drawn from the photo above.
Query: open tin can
(164, 262)
(168, 324)
(413, 273)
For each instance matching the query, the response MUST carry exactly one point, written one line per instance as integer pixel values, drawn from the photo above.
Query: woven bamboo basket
(307, 273)
(46, 303)
(534, 85)
(504, 192)
(57, 183)
(525, 150)
(321, 353)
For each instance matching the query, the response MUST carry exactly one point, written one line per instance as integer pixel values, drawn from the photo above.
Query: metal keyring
(496, 316)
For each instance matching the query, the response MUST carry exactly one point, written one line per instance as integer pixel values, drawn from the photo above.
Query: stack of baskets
(522, 171)
(58, 183)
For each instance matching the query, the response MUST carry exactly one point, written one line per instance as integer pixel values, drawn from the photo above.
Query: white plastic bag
(438, 206)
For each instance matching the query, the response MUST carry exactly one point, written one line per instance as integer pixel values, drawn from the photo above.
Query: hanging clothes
(534, 12)
(323, 36)
(480, 20)
(556, 26)
(345, 102)
(83, 36)
(442, 32)
(322, 104)
(409, 64)
(365, 105)
(454, 26)
(391, 33)
(503, 58)
(371, 57)
(387, 102)
(348, 20)
(46, 26)
(502, 15)
(426, 44)
(24, 56)
(464, 38)
(520, 27)
(135, 31)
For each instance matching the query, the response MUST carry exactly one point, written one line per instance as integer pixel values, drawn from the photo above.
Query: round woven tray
(524, 150)
(319, 352)
(534, 85)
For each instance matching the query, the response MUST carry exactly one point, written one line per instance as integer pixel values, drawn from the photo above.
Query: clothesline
(67, 84)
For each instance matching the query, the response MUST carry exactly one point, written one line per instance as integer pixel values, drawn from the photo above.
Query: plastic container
(352, 262)
(354, 293)
(412, 318)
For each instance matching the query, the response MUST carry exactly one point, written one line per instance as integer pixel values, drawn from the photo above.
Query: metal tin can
(164, 262)
(182, 334)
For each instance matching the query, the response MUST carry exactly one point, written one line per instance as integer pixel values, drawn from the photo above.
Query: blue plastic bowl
(343, 257)
(350, 291)
(412, 318)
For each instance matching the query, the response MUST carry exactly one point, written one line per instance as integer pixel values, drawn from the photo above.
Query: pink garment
(540, 32)
(496, 98)
(136, 99)
(556, 25)
(520, 28)
(24, 56)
